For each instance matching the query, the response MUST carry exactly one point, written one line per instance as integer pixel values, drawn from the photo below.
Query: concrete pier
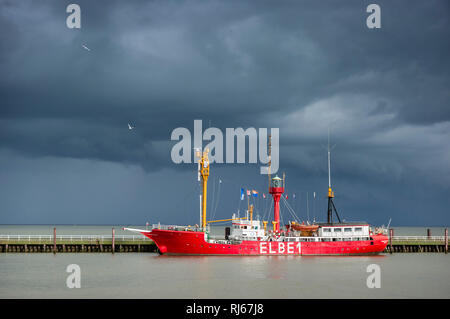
(73, 248)
(415, 248)
(417, 244)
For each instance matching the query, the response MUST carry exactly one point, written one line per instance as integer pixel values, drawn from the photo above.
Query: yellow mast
(204, 172)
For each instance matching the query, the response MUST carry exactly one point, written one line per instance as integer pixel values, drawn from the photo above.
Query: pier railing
(418, 238)
(73, 238)
(414, 240)
(143, 238)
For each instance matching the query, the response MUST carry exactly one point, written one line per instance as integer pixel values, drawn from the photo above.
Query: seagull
(130, 127)
(85, 47)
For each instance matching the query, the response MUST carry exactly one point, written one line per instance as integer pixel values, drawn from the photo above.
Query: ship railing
(176, 227)
(357, 238)
(72, 238)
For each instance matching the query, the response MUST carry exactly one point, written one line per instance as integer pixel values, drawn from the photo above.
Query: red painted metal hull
(173, 242)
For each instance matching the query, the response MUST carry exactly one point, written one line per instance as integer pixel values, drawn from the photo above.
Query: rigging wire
(281, 219)
(314, 206)
(307, 207)
(268, 209)
(290, 210)
(212, 198)
(217, 199)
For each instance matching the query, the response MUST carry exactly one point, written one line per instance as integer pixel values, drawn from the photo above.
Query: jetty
(417, 244)
(75, 243)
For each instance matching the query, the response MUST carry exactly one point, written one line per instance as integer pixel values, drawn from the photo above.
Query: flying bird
(85, 47)
(130, 127)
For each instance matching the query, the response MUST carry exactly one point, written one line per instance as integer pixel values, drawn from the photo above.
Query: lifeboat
(306, 230)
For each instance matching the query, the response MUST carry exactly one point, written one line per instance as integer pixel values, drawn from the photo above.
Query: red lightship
(248, 236)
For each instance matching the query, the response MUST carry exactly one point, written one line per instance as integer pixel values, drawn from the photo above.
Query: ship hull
(171, 242)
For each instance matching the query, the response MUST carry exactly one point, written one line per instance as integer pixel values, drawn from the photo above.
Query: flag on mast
(242, 194)
(254, 193)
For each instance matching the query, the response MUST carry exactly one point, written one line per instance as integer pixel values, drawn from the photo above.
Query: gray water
(148, 275)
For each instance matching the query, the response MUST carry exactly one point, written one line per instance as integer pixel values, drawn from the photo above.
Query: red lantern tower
(276, 189)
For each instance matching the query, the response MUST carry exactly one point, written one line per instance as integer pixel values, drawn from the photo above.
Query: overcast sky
(68, 157)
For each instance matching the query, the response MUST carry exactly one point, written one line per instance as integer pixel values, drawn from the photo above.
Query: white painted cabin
(343, 230)
(246, 229)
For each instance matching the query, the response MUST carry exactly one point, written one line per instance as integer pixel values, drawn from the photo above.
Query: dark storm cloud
(301, 66)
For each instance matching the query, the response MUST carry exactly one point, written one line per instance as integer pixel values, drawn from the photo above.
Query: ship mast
(270, 157)
(329, 165)
(331, 206)
(204, 173)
